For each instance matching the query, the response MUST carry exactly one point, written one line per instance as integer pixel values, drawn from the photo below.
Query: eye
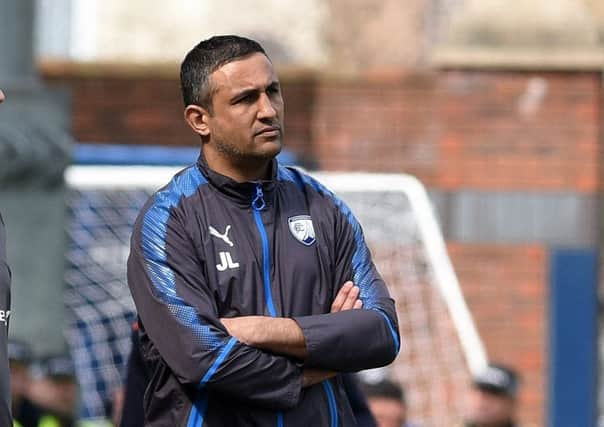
(247, 98)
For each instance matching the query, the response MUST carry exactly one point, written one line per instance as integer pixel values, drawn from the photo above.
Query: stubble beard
(237, 156)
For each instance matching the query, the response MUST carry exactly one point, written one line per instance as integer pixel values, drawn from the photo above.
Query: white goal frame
(153, 177)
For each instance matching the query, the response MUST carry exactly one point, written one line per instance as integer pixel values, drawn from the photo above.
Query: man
(5, 404)
(387, 403)
(492, 400)
(252, 282)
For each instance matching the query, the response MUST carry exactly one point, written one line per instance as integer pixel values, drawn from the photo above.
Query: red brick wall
(453, 129)
(505, 287)
(465, 129)
(126, 110)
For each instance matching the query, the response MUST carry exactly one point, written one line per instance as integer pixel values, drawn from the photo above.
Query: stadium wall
(511, 159)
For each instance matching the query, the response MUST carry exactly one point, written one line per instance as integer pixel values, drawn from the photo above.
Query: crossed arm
(284, 336)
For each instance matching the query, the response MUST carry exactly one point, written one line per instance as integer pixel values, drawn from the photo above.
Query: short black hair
(385, 389)
(207, 57)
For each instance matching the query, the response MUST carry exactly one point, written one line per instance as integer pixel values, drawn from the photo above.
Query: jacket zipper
(258, 204)
(331, 400)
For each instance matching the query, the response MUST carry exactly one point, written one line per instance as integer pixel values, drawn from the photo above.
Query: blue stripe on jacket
(153, 236)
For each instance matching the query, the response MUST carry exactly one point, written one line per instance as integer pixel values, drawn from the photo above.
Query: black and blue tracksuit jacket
(206, 247)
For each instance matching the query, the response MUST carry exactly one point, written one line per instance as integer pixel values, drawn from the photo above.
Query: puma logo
(224, 237)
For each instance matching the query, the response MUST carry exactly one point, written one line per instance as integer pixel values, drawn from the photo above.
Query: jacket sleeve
(175, 304)
(356, 339)
(5, 399)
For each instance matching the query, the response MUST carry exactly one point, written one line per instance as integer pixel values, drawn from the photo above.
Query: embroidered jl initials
(226, 262)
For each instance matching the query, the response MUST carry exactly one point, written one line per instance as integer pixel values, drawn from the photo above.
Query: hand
(312, 376)
(245, 328)
(347, 298)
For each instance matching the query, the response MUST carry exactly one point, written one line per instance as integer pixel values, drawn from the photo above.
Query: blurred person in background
(5, 403)
(25, 412)
(493, 397)
(54, 390)
(242, 269)
(387, 403)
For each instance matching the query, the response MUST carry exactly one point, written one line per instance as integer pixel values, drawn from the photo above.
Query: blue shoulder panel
(290, 174)
(154, 249)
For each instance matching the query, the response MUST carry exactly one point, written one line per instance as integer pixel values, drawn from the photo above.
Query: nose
(266, 109)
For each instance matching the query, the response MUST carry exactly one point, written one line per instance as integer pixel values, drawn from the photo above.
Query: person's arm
(331, 341)
(179, 313)
(352, 340)
(282, 335)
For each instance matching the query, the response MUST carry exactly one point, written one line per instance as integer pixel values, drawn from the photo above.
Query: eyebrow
(252, 90)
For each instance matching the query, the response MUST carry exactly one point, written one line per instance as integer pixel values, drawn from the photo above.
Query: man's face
(246, 119)
(1, 96)
(489, 409)
(387, 412)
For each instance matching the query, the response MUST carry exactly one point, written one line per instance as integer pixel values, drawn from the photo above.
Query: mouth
(270, 131)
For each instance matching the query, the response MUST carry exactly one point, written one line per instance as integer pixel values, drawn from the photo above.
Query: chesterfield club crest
(302, 229)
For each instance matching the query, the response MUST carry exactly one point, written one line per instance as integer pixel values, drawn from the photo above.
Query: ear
(197, 118)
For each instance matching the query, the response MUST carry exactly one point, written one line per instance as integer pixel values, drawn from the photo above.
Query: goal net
(440, 345)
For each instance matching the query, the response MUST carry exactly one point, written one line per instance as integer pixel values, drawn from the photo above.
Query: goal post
(441, 347)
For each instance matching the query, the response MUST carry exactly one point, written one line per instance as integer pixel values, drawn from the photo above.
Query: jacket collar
(241, 192)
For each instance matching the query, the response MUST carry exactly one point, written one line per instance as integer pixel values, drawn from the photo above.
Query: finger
(341, 297)
(358, 304)
(353, 295)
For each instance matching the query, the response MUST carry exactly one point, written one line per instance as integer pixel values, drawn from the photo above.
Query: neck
(239, 170)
